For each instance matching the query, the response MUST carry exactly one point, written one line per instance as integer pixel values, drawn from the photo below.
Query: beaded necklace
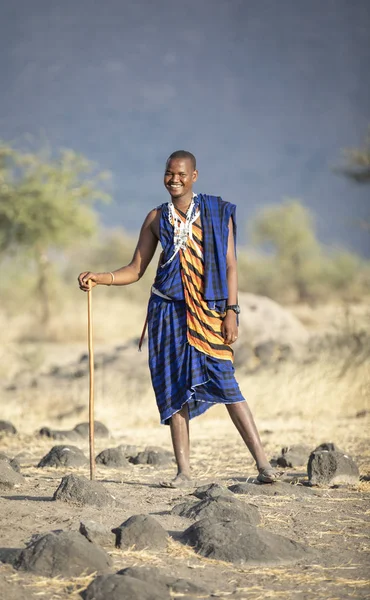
(182, 230)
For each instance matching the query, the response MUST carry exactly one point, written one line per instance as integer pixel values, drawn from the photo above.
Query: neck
(183, 202)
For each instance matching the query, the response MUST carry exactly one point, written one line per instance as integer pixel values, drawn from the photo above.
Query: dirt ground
(292, 403)
(335, 523)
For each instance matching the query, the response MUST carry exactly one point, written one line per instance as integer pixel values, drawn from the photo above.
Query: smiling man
(192, 312)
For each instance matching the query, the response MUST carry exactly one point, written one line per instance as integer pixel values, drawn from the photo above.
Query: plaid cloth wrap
(215, 215)
(180, 373)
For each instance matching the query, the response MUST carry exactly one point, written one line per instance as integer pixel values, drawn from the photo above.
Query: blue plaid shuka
(180, 372)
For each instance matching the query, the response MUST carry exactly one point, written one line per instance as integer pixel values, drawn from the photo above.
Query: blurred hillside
(50, 231)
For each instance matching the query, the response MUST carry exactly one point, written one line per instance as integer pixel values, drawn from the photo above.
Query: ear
(195, 175)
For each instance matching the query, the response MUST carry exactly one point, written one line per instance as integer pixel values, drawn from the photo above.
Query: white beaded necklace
(182, 230)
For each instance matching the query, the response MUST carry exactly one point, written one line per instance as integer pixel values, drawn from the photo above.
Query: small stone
(81, 491)
(153, 456)
(141, 532)
(294, 456)
(112, 457)
(154, 575)
(7, 427)
(14, 463)
(97, 533)
(330, 467)
(211, 490)
(64, 456)
(280, 488)
(117, 587)
(222, 508)
(100, 430)
(10, 556)
(330, 446)
(9, 478)
(63, 553)
(59, 434)
(238, 542)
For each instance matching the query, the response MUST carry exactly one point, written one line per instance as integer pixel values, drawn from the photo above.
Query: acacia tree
(287, 230)
(46, 203)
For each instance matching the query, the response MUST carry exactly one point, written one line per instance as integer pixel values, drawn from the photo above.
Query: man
(192, 312)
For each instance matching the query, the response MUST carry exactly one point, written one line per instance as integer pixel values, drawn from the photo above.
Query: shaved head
(184, 154)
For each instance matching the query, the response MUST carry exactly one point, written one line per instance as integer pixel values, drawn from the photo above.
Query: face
(179, 177)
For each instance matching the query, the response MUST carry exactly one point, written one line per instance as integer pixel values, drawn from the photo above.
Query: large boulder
(81, 491)
(64, 456)
(241, 543)
(330, 467)
(263, 320)
(140, 532)
(63, 553)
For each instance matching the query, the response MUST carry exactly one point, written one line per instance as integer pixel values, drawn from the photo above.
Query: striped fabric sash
(203, 324)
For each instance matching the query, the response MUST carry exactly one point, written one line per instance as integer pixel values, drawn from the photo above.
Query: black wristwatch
(234, 307)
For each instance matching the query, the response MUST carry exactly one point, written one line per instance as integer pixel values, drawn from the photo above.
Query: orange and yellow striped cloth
(203, 324)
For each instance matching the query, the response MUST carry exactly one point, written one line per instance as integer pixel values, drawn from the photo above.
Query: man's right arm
(132, 272)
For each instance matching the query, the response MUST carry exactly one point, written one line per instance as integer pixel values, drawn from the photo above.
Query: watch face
(234, 307)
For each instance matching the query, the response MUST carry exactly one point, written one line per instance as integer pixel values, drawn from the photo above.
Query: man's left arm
(230, 325)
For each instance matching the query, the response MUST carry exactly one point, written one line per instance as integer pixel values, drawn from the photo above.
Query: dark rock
(117, 587)
(330, 446)
(81, 491)
(238, 542)
(7, 427)
(211, 490)
(156, 576)
(80, 431)
(66, 553)
(10, 556)
(153, 456)
(141, 531)
(280, 488)
(223, 508)
(266, 352)
(294, 456)
(12, 461)
(64, 456)
(128, 450)
(9, 478)
(59, 434)
(330, 467)
(100, 430)
(97, 533)
(112, 457)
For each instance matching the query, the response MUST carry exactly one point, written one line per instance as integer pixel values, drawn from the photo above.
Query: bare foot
(268, 475)
(180, 481)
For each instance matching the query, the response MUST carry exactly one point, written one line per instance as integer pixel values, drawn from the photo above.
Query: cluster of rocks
(78, 433)
(71, 456)
(326, 465)
(223, 528)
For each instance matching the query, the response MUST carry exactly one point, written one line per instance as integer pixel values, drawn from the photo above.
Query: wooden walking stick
(91, 387)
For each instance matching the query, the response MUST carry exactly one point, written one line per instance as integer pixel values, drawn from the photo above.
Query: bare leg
(244, 422)
(179, 426)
